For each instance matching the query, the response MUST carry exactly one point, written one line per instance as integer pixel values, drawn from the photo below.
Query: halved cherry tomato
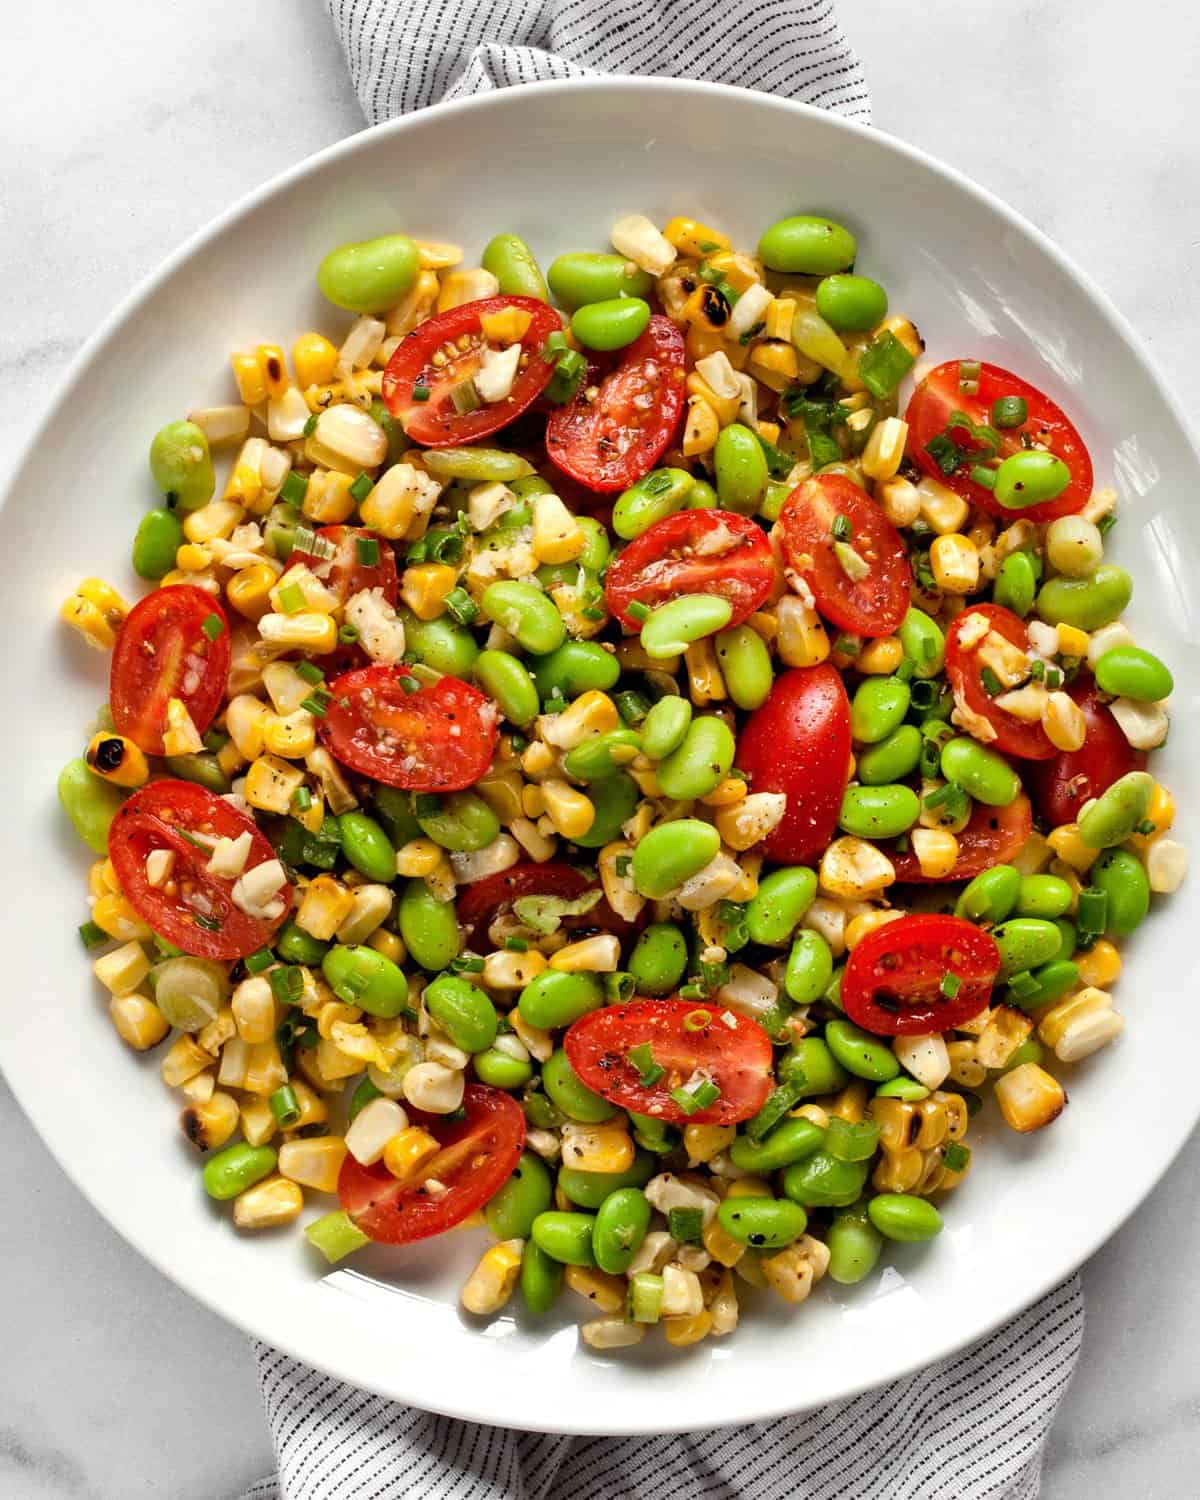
(193, 909)
(162, 652)
(477, 1157)
(938, 397)
(693, 552)
(684, 1036)
(435, 423)
(611, 439)
(434, 739)
(1061, 786)
(798, 743)
(345, 572)
(893, 980)
(1013, 736)
(993, 836)
(871, 605)
(484, 900)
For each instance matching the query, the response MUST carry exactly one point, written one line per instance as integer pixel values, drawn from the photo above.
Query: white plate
(558, 163)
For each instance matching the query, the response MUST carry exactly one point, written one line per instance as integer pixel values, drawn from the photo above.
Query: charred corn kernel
(1070, 848)
(597, 1148)
(209, 1123)
(859, 927)
(965, 1067)
(122, 970)
(705, 683)
(491, 1283)
(936, 850)
(512, 971)
(694, 239)
(271, 784)
(313, 1162)
(268, 1204)
(954, 560)
(249, 590)
(854, 868)
(114, 913)
(327, 498)
(898, 1171)
(1029, 1098)
(774, 362)
(114, 758)
(703, 1142)
(1063, 721)
(215, 520)
(880, 658)
(1081, 1024)
(723, 1248)
(419, 857)
(250, 377)
(185, 1059)
(96, 611)
(557, 535)
(306, 631)
(690, 1329)
(424, 586)
(793, 1271)
(571, 813)
(138, 1021)
(885, 449)
(1161, 813)
(324, 906)
(701, 427)
(408, 1151)
(459, 287)
(506, 326)
(778, 318)
(333, 784)
(270, 361)
(314, 359)
(1100, 966)
(802, 638)
(223, 426)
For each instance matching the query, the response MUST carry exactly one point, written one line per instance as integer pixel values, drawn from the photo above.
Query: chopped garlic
(495, 376)
(230, 856)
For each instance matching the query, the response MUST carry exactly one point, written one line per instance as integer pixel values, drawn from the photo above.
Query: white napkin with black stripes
(970, 1428)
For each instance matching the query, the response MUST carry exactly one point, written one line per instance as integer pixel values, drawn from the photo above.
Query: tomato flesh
(737, 1057)
(484, 900)
(893, 980)
(198, 915)
(993, 836)
(344, 572)
(609, 439)
(435, 423)
(478, 1156)
(1013, 736)
(798, 743)
(162, 652)
(872, 605)
(938, 397)
(1061, 786)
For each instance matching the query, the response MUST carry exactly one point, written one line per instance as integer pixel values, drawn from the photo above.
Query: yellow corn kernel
(687, 1329)
(418, 857)
(724, 405)
(328, 499)
(506, 326)
(774, 362)
(703, 340)
(424, 586)
(705, 682)
(954, 560)
(727, 793)
(598, 954)
(119, 920)
(769, 431)
(215, 520)
(701, 427)
(880, 658)
(491, 1283)
(290, 735)
(249, 590)
(185, 1059)
(96, 611)
(1063, 721)
(703, 1142)
(193, 558)
(557, 535)
(1029, 1098)
(779, 317)
(209, 1123)
(313, 1162)
(904, 330)
(749, 1187)
(723, 1248)
(257, 1120)
(590, 714)
(793, 1271)
(694, 239)
(802, 639)
(936, 850)
(138, 1021)
(267, 1204)
(1161, 813)
(306, 631)
(866, 922)
(1072, 641)
(246, 720)
(965, 1067)
(605, 1292)
(415, 306)
(885, 448)
(102, 878)
(738, 269)
(1070, 848)
(567, 808)
(944, 509)
(406, 1153)
(273, 367)
(598, 1148)
(1100, 966)
(314, 359)
(323, 908)
(265, 1071)
(460, 287)
(114, 758)
(1081, 1024)
(122, 970)
(250, 378)
(253, 1006)
(852, 867)
(271, 784)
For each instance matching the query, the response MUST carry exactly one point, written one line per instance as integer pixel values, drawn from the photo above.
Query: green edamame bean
(1068, 938)
(851, 304)
(506, 679)
(878, 708)
(515, 267)
(237, 1168)
(90, 803)
(653, 498)
(860, 1053)
(590, 1189)
(659, 959)
(1087, 603)
(1046, 896)
(701, 763)
(612, 324)
(672, 853)
(1029, 477)
(502, 1071)
(360, 976)
(810, 1062)
(394, 811)
(597, 549)
(621, 1224)
(371, 275)
(923, 641)
(1025, 943)
(665, 725)
(782, 898)
(181, 465)
(541, 1279)
(1053, 981)
(202, 768)
(764, 1223)
(601, 757)
(671, 627)
(892, 759)
(981, 773)
(565, 1237)
(1122, 877)
(367, 847)
(459, 821)
(809, 968)
(579, 278)
(527, 1193)
(854, 1245)
(745, 665)
(295, 946)
(878, 812)
(991, 896)
(1130, 672)
(463, 1012)
(1116, 812)
(428, 926)
(822, 1181)
(576, 667)
(904, 1217)
(1016, 583)
(1030, 1050)
(158, 538)
(741, 469)
(526, 613)
(541, 1112)
(653, 1135)
(789, 1142)
(442, 644)
(480, 465)
(702, 496)
(574, 1098)
(614, 799)
(553, 999)
(805, 245)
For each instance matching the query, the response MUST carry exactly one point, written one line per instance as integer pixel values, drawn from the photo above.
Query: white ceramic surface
(1030, 1210)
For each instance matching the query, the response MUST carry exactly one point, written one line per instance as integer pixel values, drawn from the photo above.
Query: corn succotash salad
(606, 774)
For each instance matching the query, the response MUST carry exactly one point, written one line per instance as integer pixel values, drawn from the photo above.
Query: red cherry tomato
(893, 978)
(477, 1157)
(484, 900)
(436, 739)
(435, 423)
(938, 397)
(1061, 786)
(694, 552)
(1013, 736)
(193, 909)
(798, 743)
(872, 605)
(609, 441)
(683, 1035)
(994, 836)
(345, 572)
(162, 652)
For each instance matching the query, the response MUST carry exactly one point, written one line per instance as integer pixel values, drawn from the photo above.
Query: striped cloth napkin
(970, 1428)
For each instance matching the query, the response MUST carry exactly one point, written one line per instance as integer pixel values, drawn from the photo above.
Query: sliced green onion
(360, 488)
(465, 398)
(1009, 411)
(697, 1020)
(287, 984)
(291, 598)
(294, 488)
(285, 1106)
(316, 707)
(91, 935)
(619, 987)
(950, 985)
(945, 453)
(309, 671)
(460, 606)
(642, 1058)
(645, 1297)
(257, 962)
(984, 477)
(302, 798)
(685, 1225)
(516, 945)
(556, 344)
(990, 683)
(335, 1235)
(410, 684)
(1092, 911)
(848, 645)
(420, 391)
(310, 426)
(1023, 985)
(212, 626)
(632, 706)
(783, 1097)
(883, 364)
(841, 529)
(367, 547)
(956, 1156)
(347, 634)
(208, 924)
(466, 965)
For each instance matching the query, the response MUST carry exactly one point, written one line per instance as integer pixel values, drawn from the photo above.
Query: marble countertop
(115, 1384)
